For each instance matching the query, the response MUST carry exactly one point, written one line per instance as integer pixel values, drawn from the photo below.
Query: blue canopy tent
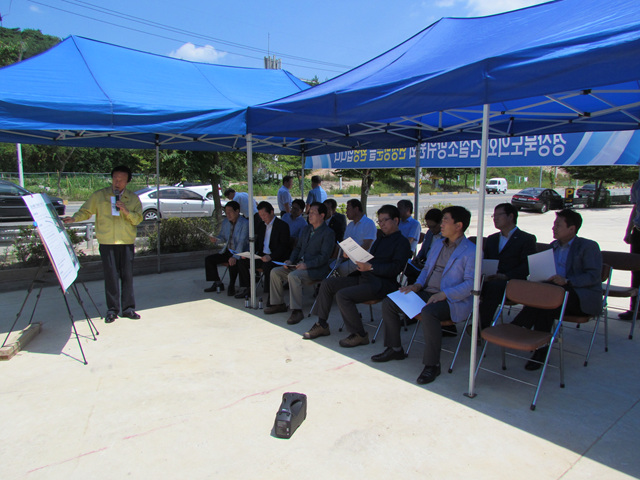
(560, 67)
(87, 93)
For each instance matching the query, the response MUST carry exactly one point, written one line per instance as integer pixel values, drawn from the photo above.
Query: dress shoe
(429, 374)
(295, 317)
(316, 331)
(131, 314)
(214, 287)
(537, 359)
(628, 315)
(354, 340)
(389, 354)
(449, 331)
(110, 318)
(282, 307)
(243, 292)
(231, 291)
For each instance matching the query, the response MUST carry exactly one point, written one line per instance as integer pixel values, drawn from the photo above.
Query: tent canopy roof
(81, 89)
(563, 66)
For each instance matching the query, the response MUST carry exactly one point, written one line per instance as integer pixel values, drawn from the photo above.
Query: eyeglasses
(497, 214)
(382, 220)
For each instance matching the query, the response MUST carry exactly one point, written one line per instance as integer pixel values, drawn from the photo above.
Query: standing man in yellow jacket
(117, 212)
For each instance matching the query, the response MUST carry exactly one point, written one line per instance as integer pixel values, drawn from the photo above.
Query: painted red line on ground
(149, 431)
(342, 366)
(68, 460)
(259, 393)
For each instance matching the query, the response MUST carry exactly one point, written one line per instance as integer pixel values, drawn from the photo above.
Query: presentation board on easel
(55, 239)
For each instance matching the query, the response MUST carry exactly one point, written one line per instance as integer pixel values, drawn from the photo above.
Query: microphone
(117, 195)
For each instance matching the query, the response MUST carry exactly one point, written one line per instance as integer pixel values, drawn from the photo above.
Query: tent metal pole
(416, 189)
(158, 201)
(303, 159)
(252, 238)
(479, 241)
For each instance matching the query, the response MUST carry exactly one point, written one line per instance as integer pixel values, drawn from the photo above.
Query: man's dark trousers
(348, 292)
(431, 314)
(117, 263)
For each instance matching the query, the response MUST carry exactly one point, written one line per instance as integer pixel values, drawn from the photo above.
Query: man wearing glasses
(308, 263)
(511, 247)
(371, 280)
(445, 285)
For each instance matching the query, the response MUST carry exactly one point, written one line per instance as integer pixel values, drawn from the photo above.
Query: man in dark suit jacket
(372, 280)
(277, 247)
(511, 247)
(578, 270)
(308, 263)
(335, 221)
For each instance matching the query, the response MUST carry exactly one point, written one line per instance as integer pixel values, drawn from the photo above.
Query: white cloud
(35, 8)
(206, 54)
(489, 7)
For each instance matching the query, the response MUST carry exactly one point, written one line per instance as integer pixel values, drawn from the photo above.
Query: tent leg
(252, 238)
(416, 189)
(478, 264)
(158, 201)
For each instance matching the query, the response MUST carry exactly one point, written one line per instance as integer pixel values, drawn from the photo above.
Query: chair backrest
(541, 247)
(621, 260)
(535, 294)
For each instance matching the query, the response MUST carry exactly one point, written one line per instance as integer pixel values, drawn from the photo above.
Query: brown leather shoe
(316, 331)
(295, 317)
(281, 307)
(354, 340)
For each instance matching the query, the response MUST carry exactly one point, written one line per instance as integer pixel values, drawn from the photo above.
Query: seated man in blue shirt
(409, 226)
(295, 220)
(235, 232)
(578, 270)
(445, 284)
(433, 219)
(361, 229)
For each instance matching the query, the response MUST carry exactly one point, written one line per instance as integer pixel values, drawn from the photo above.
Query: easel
(61, 259)
(73, 288)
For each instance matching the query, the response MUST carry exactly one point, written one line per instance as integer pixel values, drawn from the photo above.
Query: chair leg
(606, 329)
(413, 336)
(544, 369)
(375, 335)
(635, 317)
(503, 352)
(462, 335)
(484, 349)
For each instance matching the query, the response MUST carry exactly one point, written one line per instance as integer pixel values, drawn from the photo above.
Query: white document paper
(354, 251)
(242, 254)
(542, 265)
(410, 303)
(55, 239)
(489, 266)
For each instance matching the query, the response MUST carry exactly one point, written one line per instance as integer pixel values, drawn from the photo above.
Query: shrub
(182, 235)
(29, 250)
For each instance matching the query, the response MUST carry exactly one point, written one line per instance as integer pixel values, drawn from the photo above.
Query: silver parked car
(174, 202)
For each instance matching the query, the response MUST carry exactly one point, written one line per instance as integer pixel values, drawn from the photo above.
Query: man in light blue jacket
(445, 283)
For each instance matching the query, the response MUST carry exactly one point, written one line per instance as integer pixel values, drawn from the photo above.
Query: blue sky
(323, 38)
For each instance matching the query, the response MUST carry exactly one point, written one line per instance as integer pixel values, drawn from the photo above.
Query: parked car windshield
(531, 191)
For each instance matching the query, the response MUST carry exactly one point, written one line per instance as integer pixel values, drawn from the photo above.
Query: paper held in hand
(354, 251)
(542, 266)
(410, 303)
(241, 254)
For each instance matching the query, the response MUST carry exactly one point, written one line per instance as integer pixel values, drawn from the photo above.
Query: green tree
(17, 45)
(599, 175)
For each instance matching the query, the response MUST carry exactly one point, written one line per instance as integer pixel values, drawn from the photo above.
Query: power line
(152, 24)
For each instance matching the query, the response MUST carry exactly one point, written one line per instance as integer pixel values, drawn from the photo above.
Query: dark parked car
(540, 199)
(12, 205)
(589, 190)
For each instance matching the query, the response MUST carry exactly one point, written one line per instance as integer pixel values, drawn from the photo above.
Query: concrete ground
(192, 389)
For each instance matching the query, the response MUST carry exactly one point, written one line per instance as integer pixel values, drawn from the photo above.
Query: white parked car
(203, 189)
(174, 202)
